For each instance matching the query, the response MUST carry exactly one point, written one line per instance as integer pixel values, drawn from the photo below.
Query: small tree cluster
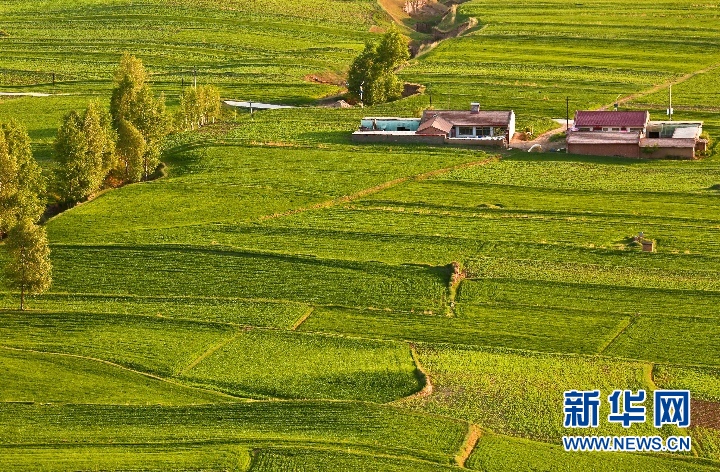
(21, 206)
(373, 71)
(139, 119)
(85, 150)
(21, 181)
(198, 106)
(29, 268)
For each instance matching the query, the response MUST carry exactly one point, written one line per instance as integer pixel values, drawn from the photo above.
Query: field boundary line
(113, 364)
(210, 351)
(649, 375)
(421, 374)
(379, 188)
(659, 87)
(471, 439)
(302, 318)
(630, 322)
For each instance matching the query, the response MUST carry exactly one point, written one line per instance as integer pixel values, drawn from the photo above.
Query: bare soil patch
(704, 413)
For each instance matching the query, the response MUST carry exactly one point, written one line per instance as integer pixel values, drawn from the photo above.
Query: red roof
(435, 125)
(611, 119)
(468, 118)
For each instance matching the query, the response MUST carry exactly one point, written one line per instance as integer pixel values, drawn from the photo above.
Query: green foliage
(224, 272)
(501, 389)
(235, 311)
(150, 344)
(139, 118)
(275, 459)
(542, 329)
(29, 268)
(84, 150)
(496, 453)
(253, 227)
(198, 106)
(52, 378)
(704, 383)
(639, 342)
(146, 457)
(21, 181)
(373, 71)
(131, 151)
(375, 428)
(261, 363)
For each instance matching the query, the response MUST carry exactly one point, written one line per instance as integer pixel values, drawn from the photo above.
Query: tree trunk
(22, 286)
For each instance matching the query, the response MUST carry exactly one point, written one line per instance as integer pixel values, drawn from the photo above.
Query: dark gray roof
(467, 118)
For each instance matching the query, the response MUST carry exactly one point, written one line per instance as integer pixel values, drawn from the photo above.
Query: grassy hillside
(284, 299)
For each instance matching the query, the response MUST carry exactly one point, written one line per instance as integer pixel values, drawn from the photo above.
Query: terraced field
(284, 299)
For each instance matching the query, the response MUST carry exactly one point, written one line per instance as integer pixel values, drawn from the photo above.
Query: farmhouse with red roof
(632, 134)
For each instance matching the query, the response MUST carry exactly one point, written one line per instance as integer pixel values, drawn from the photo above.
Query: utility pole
(195, 78)
(670, 110)
(567, 114)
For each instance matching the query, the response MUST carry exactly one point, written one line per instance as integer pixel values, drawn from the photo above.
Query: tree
(199, 106)
(374, 69)
(131, 151)
(29, 268)
(392, 52)
(21, 181)
(84, 148)
(133, 106)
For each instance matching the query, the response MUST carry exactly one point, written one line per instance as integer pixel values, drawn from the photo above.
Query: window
(483, 131)
(465, 131)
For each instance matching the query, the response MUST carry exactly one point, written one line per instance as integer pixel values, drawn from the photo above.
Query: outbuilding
(604, 144)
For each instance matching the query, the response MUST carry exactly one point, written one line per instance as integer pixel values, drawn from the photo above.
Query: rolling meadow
(284, 299)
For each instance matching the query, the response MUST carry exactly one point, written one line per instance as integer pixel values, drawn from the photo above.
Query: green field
(283, 299)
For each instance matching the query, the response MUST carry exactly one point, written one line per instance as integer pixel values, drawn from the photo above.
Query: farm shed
(604, 144)
(683, 148)
(470, 127)
(611, 121)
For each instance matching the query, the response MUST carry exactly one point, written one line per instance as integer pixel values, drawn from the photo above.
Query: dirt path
(209, 352)
(376, 189)
(544, 139)
(427, 389)
(660, 87)
(471, 440)
(302, 318)
(139, 372)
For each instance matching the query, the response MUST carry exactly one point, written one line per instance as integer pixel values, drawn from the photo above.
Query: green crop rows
(280, 299)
